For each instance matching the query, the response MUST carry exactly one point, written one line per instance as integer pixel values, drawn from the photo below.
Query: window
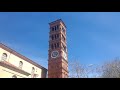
(33, 71)
(57, 35)
(20, 64)
(14, 76)
(4, 56)
(63, 37)
(63, 29)
(57, 45)
(52, 28)
(52, 47)
(57, 26)
(64, 47)
(52, 37)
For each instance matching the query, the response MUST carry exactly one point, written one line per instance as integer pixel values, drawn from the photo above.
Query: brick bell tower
(58, 61)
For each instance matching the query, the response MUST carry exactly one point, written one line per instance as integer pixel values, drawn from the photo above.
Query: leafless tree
(110, 69)
(77, 70)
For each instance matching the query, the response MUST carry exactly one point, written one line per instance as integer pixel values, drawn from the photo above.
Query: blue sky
(92, 37)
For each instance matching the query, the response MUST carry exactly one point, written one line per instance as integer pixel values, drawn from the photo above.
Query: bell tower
(57, 57)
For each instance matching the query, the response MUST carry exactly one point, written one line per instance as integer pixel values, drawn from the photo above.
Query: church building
(15, 65)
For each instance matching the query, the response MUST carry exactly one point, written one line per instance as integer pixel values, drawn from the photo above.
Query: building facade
(15, 65)
(57, 57)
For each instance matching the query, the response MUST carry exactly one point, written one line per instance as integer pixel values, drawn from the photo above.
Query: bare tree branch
(111, 69)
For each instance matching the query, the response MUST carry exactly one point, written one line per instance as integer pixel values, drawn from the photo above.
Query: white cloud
(90, 65)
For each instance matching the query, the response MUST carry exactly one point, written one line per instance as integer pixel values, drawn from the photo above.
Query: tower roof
(58, 20)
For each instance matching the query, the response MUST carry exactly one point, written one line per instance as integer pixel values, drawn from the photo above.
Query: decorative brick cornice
(59, 20)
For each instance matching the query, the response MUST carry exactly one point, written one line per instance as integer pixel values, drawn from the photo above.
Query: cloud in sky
(90, 65)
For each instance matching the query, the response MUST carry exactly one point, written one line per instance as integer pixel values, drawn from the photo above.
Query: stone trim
(12, 67)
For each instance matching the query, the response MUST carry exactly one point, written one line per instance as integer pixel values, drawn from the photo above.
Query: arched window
(57, 27)
(20, 64)
(52, 47)
(33, 71)
(57, 36)
(63, 37)
(4, 56)
(52, 28)
(57, 45)
(52, 37)
(14, 76)
(63, 29)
